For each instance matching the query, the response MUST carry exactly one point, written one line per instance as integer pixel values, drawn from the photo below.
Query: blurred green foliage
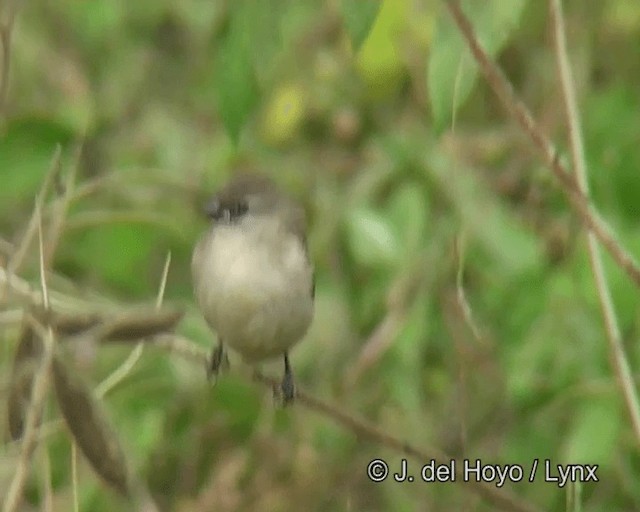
(348, 105)
(452, 71)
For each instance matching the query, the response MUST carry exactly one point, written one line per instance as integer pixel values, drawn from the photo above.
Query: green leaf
(380, 59)
(371, 238)
(359, 16)
(452, 72)
(236, 87)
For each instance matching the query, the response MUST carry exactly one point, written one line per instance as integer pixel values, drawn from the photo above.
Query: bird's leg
(217, 362)
(287, 386)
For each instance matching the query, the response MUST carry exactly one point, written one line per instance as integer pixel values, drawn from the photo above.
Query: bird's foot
(218, 362)
(285, 392)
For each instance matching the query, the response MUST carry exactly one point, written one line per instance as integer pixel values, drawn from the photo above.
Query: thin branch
(163, 281)
(461, 296)
(462, 380)
(17, 259)
(616, 350)
(38, 395)
(29, 296)
(60, 208)
(74, 475)
(399, 300)
(120, 373)
(499, 498)
(518, 110)
(361, 428)
(380, 341)
(6, 35)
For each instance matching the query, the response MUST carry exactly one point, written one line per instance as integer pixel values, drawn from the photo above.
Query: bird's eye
(226, 212)
(232, 212)
(239, 209)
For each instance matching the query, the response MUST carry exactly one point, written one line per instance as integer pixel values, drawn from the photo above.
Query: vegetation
(460, 311)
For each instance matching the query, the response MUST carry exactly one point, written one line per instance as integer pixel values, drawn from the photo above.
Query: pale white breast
(253, 284)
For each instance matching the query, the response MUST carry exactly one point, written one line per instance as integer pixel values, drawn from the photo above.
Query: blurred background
(417, 186)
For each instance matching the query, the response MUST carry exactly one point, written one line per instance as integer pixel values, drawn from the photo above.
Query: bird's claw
(285, 392)
(218, 362)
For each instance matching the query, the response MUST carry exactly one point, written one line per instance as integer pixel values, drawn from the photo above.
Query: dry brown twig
(127, 365)
(6, 35)
(10, 282)
(461, 296)
(18, 256)
(385, 332)
(521, 114)
(190, 351)
(61, 207)
(39, 391)
(361, 428)
(573, 186)
(467, 315)
(616, 350)
(24, 293)
(126, 328)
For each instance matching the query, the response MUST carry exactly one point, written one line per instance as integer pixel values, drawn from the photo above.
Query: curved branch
(518, 110)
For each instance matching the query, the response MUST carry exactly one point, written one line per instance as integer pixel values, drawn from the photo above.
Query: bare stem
(61, 206)
(361, 428)
(618, 357)
(38, 395)
(6, 34)
(518, 110)
(120, 373)
(463, 304)
(25, 244)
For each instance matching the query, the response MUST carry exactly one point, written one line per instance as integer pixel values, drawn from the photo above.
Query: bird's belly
(260, 325)
(258, 304)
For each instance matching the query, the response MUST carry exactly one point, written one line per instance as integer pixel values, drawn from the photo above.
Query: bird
(252, 275)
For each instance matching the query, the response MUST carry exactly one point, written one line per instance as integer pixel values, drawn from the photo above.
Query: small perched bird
(252, 276)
